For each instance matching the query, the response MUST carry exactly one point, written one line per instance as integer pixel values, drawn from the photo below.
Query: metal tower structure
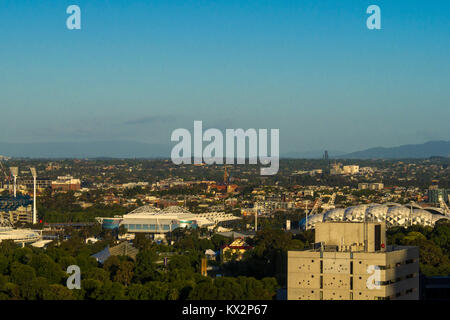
(34, 174)
(15, 173)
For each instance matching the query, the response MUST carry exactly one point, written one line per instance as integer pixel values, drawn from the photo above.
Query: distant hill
(132, 149)
(425, 150)
(98, 149)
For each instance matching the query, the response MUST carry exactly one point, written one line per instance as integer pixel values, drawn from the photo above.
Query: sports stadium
(393, 214)
(149, 219)
(23, 236)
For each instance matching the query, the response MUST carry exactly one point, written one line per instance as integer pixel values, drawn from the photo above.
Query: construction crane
(313, 211)
(316, 206)
(444, 206)
(2, 169)
(7, 177)
(330, 203)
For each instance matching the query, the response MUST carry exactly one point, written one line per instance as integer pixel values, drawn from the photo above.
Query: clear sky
(139, 69)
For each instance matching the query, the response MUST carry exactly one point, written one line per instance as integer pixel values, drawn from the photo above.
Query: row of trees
(32, 273)
(269, 256)
(433, 243)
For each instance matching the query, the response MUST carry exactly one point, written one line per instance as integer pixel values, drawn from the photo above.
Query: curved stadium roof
(393, 214)
(147, 209)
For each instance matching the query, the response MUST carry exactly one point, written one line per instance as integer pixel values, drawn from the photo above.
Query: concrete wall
(350, 234)
(344, 275)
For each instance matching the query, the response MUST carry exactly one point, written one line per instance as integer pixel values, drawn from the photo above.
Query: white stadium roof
(177, 213)
(19, 235)
(393, 214)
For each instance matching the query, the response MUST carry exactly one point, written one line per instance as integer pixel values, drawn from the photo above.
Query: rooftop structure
(351, 261)
(237, 249)
(392, 214)
(122, 249)
(149, 219)
(23, 236)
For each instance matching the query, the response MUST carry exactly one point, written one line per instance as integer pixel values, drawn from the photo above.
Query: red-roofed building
(235, 249)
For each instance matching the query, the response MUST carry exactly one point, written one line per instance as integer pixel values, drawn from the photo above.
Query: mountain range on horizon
(425, 150)
(132, 149)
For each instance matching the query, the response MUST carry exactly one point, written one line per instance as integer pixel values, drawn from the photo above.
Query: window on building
(377, 237)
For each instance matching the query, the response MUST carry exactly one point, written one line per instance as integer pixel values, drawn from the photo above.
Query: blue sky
(139, 69)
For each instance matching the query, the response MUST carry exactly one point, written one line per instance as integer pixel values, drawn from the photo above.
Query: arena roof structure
(393, 214)
(147, 210)
(19, 235)
(7, 232)
(150, 219)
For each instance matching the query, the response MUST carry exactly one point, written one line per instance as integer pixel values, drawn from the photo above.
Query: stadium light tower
(34, 173)
(15, 173)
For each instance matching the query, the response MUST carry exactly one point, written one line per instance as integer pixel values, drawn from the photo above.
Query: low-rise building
(235, 250)
(66, 183)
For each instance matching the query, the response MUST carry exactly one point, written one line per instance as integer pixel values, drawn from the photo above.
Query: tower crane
(330, 203)
(444, 206)
(316, 206)
(7, 177)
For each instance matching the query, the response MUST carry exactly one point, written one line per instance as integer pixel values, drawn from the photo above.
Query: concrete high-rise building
(351, 261)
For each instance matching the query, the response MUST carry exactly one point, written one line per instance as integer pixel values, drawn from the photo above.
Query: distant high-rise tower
(325, 155)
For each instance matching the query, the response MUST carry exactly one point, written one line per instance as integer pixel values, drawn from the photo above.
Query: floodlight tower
(306, 214)
(15, 173)
(34, 173)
